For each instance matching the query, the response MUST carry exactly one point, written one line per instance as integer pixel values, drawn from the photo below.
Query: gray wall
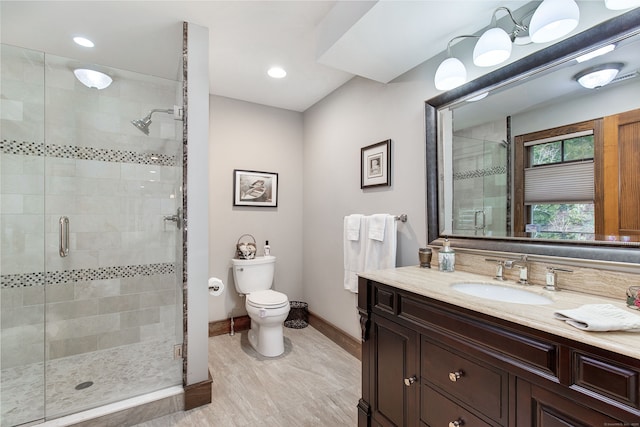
(360, 113)
(249, 136)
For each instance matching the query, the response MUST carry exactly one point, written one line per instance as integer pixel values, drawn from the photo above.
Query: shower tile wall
(118, 285)
(480, 176)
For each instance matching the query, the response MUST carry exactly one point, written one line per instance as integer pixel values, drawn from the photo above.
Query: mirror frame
(622, 26)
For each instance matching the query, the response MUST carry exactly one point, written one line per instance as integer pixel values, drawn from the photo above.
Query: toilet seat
(267, 299)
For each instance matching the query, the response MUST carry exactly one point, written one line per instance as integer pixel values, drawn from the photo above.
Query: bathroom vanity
(432, 356)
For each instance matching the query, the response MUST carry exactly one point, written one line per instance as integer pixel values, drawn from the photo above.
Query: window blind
(561, 183)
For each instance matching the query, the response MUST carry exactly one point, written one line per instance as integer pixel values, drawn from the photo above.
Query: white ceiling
(321, 44)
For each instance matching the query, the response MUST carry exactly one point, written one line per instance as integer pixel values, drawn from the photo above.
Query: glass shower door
(90, 267)
(22, 261)
(480, 187)
(113, 301)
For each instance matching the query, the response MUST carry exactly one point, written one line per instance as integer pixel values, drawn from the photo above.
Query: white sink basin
(497, 292)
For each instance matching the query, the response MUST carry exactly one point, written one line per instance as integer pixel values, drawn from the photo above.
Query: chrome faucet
(552, 278)
(523, 263)
(501, 264)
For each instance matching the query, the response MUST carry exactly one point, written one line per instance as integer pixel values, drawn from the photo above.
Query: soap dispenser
(446, 257)
(267, 248)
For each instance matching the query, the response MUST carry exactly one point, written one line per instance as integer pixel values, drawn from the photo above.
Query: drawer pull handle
(409, 381)
(457, 423)
(455, 376)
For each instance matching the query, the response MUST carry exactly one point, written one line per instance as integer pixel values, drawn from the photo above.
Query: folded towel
(376, 226)
(352, 226)
(599, 317)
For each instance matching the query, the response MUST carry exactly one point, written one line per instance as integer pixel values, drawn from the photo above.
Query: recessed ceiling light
(598, 52)
(276, 72)
(621, 4)
(478, 97)
(83, 41)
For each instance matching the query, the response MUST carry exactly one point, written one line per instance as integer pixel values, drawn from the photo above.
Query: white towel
(377, 226)
(353, 258)
(599, 317)
(381, 253)
(352, 226)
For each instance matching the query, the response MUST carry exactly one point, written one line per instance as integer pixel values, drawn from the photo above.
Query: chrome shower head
(144, 123)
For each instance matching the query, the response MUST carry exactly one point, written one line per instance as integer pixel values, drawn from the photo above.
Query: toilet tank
(252, 275)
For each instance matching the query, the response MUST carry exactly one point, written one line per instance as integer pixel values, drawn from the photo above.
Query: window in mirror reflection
(557, 179)
(574, 221)
(566, 150)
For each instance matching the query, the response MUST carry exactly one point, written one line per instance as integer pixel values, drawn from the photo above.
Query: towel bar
(402, 217)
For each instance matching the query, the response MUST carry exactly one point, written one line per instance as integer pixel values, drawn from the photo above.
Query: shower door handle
(64, 236)
(477, 224)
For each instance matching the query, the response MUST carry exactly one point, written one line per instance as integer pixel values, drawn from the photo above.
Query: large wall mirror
(525, 159)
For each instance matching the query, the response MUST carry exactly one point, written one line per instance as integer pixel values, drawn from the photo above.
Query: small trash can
(298, 317)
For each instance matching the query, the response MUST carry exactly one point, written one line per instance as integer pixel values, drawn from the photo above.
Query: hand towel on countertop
(381, 253)
(352, 226)
(377, 224)
(599, 317)
(353, 254)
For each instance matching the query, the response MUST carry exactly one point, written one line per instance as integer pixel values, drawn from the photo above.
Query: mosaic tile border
(85, 153)
(84, 275)
(495, 170)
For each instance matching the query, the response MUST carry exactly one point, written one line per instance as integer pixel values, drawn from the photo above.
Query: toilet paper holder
(215, 286)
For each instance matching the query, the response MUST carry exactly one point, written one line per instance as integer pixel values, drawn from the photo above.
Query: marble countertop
(435, 284)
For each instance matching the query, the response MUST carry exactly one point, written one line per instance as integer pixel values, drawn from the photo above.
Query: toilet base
(268, 340)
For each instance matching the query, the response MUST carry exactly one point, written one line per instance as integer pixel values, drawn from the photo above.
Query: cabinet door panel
(539, 407)
(395, 359)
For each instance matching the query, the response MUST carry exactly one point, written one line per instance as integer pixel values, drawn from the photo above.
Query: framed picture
(254, 188)
(375, 169)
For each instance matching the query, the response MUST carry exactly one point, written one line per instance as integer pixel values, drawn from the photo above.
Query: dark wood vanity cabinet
(429, 363)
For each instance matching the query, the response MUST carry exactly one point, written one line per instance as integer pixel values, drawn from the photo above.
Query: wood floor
(314, 383)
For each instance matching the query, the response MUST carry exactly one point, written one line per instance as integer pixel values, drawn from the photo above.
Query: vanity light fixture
(598, 76)
(598, 52)
(92, 78)
(84, 42)
(550, 21)
(276, 72)
(621, 4)
(553, 19)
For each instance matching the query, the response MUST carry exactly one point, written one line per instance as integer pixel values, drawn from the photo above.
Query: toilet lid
(267, 299)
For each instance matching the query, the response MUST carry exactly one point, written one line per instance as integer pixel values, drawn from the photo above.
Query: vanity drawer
(538, 355)
(384, 299)
(437, 410)
(479, 386)
(606, 377)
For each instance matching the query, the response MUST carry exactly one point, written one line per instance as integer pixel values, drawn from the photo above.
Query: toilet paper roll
(216, 287)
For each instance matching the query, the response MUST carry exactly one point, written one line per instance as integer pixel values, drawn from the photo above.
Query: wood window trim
(521, 161)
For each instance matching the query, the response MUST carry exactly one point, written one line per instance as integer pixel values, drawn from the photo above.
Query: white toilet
(267, 308)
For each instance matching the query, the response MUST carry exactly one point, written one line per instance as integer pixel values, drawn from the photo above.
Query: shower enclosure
(480, 182)
(90, 253)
